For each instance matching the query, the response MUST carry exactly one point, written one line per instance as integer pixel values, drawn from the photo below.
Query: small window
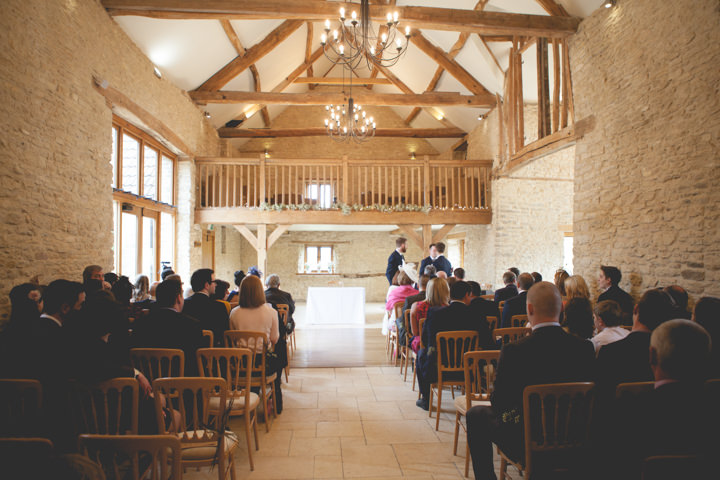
(320, 194)
(130, 164)
(113, 160)
(167, 180)
(319, 259)
(150, 173)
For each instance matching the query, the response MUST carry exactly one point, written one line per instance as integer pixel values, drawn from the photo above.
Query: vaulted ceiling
(190, 42)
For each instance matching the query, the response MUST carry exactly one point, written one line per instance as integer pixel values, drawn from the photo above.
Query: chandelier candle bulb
(342, 13)
(323, 39)
(395, 17)
(407, 31)
(384, 38)
(389, 18)
(335, 34)
(342, 49)
(327, 25)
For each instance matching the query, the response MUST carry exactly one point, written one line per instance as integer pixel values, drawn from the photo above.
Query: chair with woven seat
(260, 379)
(20, 403)
(518, 321)
(392, 342)
(492, 324)
(158, 362)
(203, 437)
(556, 420)
(509, 335)
(451, 348)
(283, 310)
(480, 369)
(107, 408)
(135, 456)
(407, 355)
(421, 324)
(235, 366)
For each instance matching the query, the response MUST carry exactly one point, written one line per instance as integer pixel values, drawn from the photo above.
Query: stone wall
(55, 135)
(647, 177)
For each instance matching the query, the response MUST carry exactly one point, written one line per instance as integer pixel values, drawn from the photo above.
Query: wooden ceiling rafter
(308, 52)
(340, 81)
(403, 132)
(252, 55)
(553, 8)
(235, 40)
(433, 18)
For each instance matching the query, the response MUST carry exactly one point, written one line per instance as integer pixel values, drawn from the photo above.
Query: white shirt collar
(45, 315)
(545, 324)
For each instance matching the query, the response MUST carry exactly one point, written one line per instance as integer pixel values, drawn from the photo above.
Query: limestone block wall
(647, 178)
(55, 135)
(228, 248)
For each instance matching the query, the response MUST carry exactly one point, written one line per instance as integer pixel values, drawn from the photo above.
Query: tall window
(320, 194)
(143, 202)
(318, 259)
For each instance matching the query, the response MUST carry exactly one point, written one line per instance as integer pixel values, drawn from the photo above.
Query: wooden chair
(20, 403)
(407, 355)
(204, 442)
(260, 379)
(670, 467)
(501, 305)
(508, 335)
(556, 419)
(480, 369)
(392, 342)
(519, 321)
(492, 324)
(25, 457)
(107, 408)
(421, 324)
(490, 297)
(451, 348)
(235, 366)
(210, 336)
(283, 310)
(158, 362)
(143, 456)
(633, 389)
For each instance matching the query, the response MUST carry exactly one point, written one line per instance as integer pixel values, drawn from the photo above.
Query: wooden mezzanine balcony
(328, 191)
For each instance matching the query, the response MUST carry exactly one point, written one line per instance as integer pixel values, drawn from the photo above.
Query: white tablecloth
(335, 305)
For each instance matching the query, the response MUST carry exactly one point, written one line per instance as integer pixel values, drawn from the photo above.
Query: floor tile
(403, 431)
(370, 461)
(339, 429)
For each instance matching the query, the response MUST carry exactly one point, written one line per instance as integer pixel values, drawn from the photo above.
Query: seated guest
(578, 318)
(674, 418)
(560, 276)
(608, 318)
(451, 280)
(442, 274)
(255, 271)
(122, 290)
(707, 315)
(142, 290)
(111, 278)
(211, 314)
(514, 270)
(575, 286)
(608, 281)
(404, 289)
(482, 308)
(457, 316)
(239, 275)
(221, 292)
(627, 360)
(475, 289)
(536, 277)
(517, 304)
(549, 355)
(430, 270)
(679, 299)
(26, 305)
(95, 272)
(167, 327)
(459, 273)
(437, 294)
(274, 296)
(166, 271)
(254, 314)
(407, 306)
(509, 290)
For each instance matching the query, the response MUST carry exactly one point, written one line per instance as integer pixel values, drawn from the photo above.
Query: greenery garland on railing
(346, 208)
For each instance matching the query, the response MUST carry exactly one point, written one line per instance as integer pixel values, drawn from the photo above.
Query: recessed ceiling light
(609, 3)
(157, 71)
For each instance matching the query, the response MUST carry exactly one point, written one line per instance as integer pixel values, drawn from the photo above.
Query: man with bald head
(549, 355)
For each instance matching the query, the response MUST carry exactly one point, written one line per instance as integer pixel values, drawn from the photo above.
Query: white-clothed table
(327, 305)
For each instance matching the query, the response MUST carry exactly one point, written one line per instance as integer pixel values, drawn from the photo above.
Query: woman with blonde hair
(437, 294)
(575, 287)
(141, 290)
(254, 314)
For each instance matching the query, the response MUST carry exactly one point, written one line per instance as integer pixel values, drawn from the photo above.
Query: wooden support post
(568, 80)
(345, 180)
(543, 80)
(442, 233)
(262, 247)
(556, 86)
(426, 181)
(245, 232)
(279, 230)
(520, 117)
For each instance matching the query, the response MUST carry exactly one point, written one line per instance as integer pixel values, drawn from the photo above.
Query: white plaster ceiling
(188, 52)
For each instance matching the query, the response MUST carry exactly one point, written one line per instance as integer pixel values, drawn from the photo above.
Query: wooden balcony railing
(388, 185)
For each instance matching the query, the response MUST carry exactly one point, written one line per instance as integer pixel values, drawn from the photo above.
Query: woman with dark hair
(26, 305)
(579, 318)
(221, 291)
(560, 276)
(239, 275)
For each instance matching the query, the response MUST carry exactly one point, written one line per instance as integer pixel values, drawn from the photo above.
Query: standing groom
(396, 258)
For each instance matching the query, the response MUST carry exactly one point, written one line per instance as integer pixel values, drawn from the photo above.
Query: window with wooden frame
(318, 259)
(321, 194)
(144, 208)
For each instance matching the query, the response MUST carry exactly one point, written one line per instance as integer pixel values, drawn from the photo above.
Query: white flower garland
(347, 209)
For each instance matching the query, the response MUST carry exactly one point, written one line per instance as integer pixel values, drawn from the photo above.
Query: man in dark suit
(166, 327)
(627, 360)
(274, 296)
(396, 258)
(212, 315)
(675, 418)
(608, 280)
(517, 304)
(457, 316)
(549, 355)
(437, 259)
(509, 290)
(482, 308)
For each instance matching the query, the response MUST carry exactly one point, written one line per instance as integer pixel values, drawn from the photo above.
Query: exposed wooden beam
(487, 23)
(253, 109)
(276, 234)
(361, 98)
(252, 55)
(119, 100)
(235, 40)
(308, 51)
(249, 236)
(320, 132)
(442, 233)
(342, 81)
(448, 63)
(553, 8)
(249, 216)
